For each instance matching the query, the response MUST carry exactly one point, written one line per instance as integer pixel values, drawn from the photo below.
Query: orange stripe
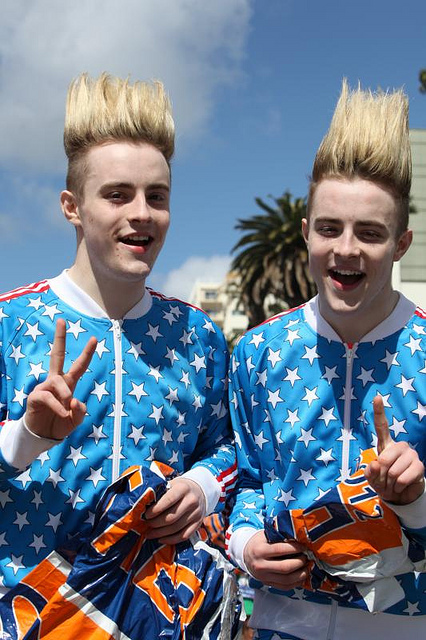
(63, 619)
(45, 578)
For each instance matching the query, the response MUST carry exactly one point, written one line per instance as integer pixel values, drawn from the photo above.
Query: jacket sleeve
(213, 462)
(248, 510)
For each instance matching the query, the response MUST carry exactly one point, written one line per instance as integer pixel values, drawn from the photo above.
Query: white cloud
(179, 282)
(195, 47)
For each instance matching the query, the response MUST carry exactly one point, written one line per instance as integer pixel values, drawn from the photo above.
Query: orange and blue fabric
(118, 584)
(354, 541)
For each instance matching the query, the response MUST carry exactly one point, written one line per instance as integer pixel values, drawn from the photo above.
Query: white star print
(199, 362)
(420, 411)
(3, 541)
(137, 434)
(55, 477)
(51, 310)
(208, 326)
(36, 370)
(405, 385)
(75, 455)
(138, 391)
(185, 378)
(249, 364)
(397, 427)
(95, 477)
(327, 415)
(155, 373)
(99, 390)
(74, 498)
(167, 436)
(413, 344)
(274, 357)
(20, 396)
(413, 607)
(390, 359)
(15, 564)
(97, 433)
(174, 458)
(330, 374)
(292, 335)
(310, 395)
(285, 496)
(21, 520)
(292, 375)
(310, 354)
(54, 521)
(36, 303)
(172, 396)
(186, 338)
(17, 354)
(101, 348)
(24, 478)
(257, 339)
(262, 377)
(292, 417)
(306, 436)
(274, 397)
(365, 376)
(153, 332)
(37, 501)
(306, 476)
(136, 350)
(75, 328)
(197, 404)
(157, 413)
(37, 543)
(170, 317)
(325, 456)
(171, 355)
(260, 440)
(33, 331)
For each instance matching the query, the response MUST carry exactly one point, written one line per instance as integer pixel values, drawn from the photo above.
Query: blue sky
(253, 85)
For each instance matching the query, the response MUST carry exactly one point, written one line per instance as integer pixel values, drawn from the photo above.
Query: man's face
(352, 241)
(123, 215)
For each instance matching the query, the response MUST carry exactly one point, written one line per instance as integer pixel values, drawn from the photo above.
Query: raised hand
(281, 565)
(398, 474)
(52, 411)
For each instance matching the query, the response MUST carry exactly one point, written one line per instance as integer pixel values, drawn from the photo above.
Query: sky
(253, 85)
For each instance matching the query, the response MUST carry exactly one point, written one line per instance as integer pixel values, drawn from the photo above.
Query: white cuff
(207, 483)
(411, 515)
(237, 544)
(20, 446)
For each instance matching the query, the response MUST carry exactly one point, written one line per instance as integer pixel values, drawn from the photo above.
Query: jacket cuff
(413, 515)
(237, 544)
(207, 483)
(20, 446)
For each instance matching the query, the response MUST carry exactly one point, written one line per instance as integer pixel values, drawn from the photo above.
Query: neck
(116, 299)
(352, 328)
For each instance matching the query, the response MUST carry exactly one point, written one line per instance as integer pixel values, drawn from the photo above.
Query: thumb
(381, 425)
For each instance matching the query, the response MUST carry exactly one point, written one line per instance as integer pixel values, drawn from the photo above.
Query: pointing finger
(57, 356)
(381, 425)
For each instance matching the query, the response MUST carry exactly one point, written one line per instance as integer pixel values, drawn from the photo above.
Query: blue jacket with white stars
(155, 390)
(301, 405)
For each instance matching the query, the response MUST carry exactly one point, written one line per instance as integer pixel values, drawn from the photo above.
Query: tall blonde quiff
(108, 109)
(368, 138)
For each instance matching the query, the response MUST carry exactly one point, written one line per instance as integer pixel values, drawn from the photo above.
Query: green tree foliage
(271, 261)
(422, 79)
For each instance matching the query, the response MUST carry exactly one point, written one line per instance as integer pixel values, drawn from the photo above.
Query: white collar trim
(399, 317)
(75, 297)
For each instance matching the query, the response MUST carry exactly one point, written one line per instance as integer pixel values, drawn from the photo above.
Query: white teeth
(348, 273)
(137, 238)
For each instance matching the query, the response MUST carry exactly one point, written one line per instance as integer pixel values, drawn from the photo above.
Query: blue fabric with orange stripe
(117, 581)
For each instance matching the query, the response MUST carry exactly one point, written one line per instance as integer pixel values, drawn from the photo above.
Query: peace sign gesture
(52, 411)
(398, 474)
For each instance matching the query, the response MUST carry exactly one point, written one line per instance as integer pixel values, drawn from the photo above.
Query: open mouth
(346, 278)
(136, 240)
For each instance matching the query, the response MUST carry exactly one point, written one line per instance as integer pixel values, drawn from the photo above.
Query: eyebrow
(359, 223)
(130, 185)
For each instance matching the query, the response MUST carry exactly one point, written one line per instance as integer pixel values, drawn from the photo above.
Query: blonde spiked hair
(109, 109)
(368, 138)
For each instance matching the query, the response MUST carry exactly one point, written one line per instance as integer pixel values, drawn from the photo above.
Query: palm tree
(422, 79)
(272, 263)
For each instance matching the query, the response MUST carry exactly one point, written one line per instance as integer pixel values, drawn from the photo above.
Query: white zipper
(118, 359)
(345, 470)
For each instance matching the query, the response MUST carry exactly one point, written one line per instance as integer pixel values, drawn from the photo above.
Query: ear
(305, 229)
(403, 245)
(70, 208)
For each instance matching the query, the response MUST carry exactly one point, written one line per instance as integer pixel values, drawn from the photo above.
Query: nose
(140, 211)
(347, 245)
